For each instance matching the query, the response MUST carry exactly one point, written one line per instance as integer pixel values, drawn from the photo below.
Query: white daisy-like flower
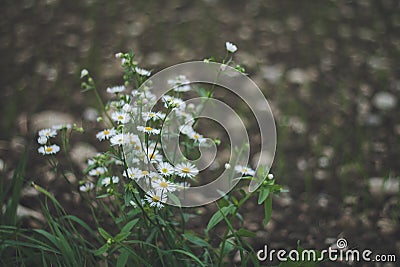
(108, 180)
(180, 83)
(173, 102)
(116, 89)
(84, 73)
(48, 133)
(133, 173)
(156, 199)
(163, 185)
(152, 116)
(244, 170)
(227, 166)
(148, 129)
(86, 187)
(97, 171)
(91, 162)
(270, 176)
(230, 47)
(196, 137)
(142, 72)
(118, 139)
(120, 117)
(186, 170)
(46, 150)
(42, 140)
(165, 169)
(106, 134)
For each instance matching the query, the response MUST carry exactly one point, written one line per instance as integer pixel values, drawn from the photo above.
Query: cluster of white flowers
(45, 135)
(141, 144)
(142, 141)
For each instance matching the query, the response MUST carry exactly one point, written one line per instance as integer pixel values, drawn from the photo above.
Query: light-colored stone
(25, 212)
(80, 152)
(384, 100)
(379, 185)
(48, 118)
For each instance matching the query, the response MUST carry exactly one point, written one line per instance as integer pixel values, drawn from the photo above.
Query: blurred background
(330, 70)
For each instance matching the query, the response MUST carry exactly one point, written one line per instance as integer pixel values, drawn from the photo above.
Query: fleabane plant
(140, 178)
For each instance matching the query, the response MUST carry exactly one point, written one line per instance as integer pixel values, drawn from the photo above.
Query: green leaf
(101, 250)
(240, 217)
(219, 216)
(128, 197)
(121, 236)
(80, 222)
(123, 258)
(128, 227)
(245, 233)
(262, 196)
(174, 199)
(48, 194)
(15, 185)
(196, 240)
(104, 234)
(229, 246)
(50, 237)
(189, 255)
(267, 210)
(202, 92)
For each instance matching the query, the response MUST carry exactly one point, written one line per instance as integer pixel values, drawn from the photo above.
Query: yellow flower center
(155, 198)
(106, 132)
(151, 115)
(49, 149)
(148, 128)
(185, 170)
(145, 172)
(164, 170)
(244, 170)
(120, 117)
(164, 184)
(196, 136)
